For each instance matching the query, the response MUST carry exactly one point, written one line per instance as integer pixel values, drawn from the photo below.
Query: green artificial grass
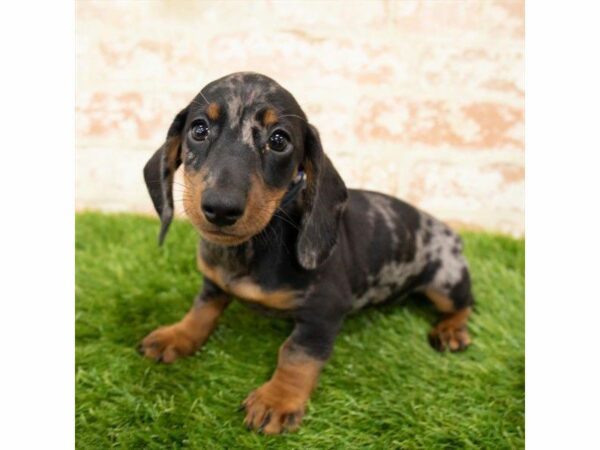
(383, 388)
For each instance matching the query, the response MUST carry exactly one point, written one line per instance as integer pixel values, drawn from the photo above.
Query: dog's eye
(199, 130)
(278, 141)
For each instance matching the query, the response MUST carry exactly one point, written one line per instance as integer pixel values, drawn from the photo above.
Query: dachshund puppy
(281, 232)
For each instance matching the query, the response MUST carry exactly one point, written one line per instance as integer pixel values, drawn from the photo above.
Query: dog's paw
(446, 336)
(272, 411)
(168, 343)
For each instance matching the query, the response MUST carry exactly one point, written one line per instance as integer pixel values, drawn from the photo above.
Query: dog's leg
(279, 404)
(451, 331)
(168, 343)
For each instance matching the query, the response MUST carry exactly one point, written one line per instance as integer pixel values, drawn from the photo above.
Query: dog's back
(390, 248)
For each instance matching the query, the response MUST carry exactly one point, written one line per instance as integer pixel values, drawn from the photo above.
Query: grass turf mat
(384, 387)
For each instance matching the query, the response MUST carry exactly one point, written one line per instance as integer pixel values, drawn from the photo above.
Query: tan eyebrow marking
(213, 111)
(270, 117)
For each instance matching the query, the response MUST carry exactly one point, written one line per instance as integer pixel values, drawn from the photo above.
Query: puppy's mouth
(223, 237)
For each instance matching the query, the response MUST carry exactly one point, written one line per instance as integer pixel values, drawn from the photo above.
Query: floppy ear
(324, 200)
(159, 172)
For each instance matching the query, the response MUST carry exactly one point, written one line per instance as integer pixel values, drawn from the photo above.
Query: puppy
(281, 232)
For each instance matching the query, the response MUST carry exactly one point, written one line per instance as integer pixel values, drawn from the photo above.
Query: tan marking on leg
(441, 302)
(168, 343)
(212, 111)
(451, 332)
(279, 404)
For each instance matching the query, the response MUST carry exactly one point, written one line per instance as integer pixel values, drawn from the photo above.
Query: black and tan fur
(280, 231)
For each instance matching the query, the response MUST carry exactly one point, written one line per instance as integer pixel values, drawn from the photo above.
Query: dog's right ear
(160, 170)
(325, 197)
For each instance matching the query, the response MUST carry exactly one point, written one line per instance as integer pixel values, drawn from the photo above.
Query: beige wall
(420, 99)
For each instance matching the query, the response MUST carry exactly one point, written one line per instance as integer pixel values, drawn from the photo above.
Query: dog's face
(242, 141)
(242, 145)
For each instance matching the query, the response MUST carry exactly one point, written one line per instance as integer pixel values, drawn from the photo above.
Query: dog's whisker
(284, 212)
(281, 114)
(205, 99)
(293, 115)
(286, 220)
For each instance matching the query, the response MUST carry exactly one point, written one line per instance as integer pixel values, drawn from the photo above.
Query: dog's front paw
(168, 343)
(272, 410)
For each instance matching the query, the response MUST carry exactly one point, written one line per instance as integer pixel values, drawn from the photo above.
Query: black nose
(222, 209)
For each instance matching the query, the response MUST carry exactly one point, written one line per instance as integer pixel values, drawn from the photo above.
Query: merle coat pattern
(281, 232)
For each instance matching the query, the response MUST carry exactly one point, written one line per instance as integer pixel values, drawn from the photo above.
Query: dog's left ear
(160, 170)
(324, 200)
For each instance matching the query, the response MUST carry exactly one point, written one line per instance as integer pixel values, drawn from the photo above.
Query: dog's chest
(230, 272)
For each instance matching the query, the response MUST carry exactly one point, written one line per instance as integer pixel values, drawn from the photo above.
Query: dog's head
(242, 141)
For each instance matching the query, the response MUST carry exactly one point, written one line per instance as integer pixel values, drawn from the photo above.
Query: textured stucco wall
(420, 99)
